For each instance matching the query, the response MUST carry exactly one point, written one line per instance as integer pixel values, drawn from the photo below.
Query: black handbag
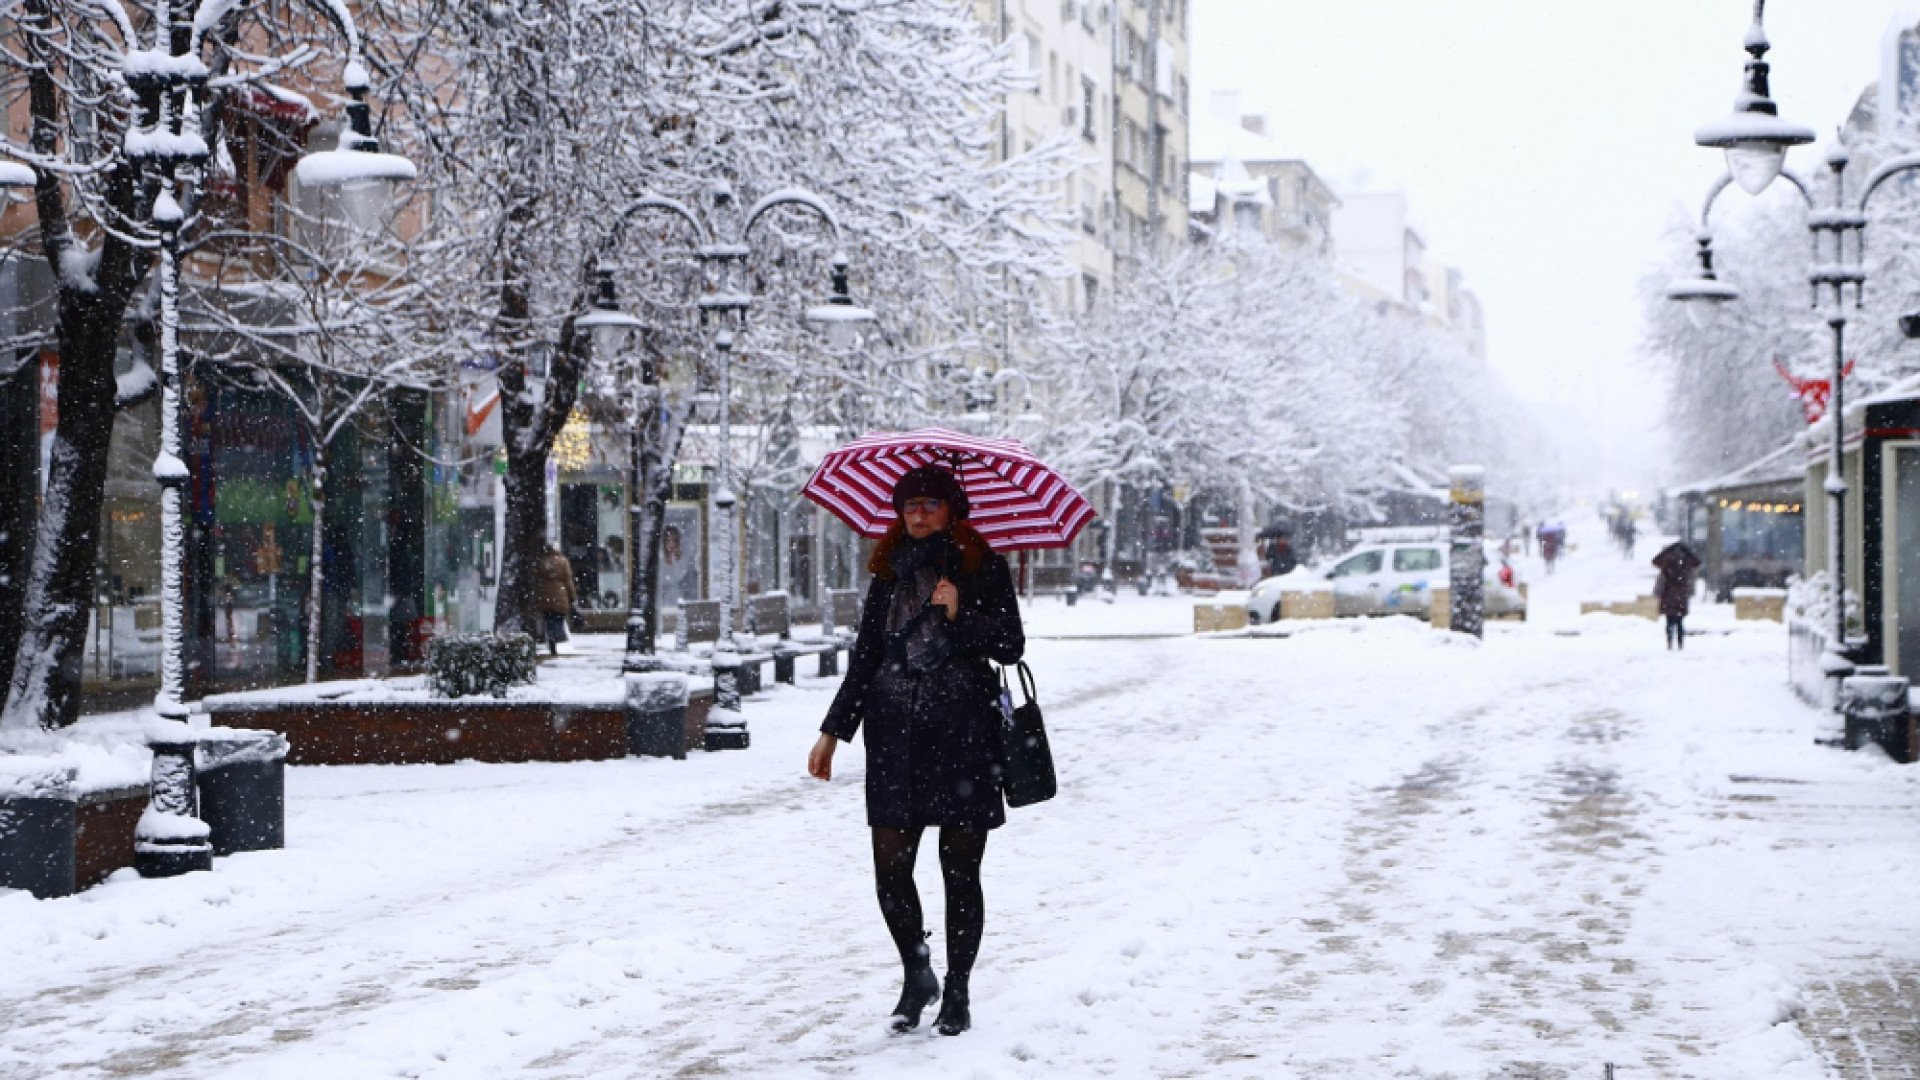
(1028, 767)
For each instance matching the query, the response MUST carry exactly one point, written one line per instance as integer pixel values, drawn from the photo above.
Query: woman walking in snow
(1674, 589)
(941, 608)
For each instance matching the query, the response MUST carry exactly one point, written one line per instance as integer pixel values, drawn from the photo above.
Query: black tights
(894, 853)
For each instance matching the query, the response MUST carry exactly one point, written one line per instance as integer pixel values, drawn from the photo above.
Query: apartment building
(1111, 76)
(1152, 107)
(1240, 171)
(1383, 256)
(1064, 45)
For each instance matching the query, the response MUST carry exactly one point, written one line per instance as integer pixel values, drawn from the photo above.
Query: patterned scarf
(916, 629)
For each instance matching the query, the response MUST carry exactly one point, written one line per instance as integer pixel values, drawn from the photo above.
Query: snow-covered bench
(1051, 581)
(771, 615)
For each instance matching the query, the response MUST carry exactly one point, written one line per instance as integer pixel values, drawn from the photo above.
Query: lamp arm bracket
(791, 197)
(1887, 171)
(656, 202)
(1713, 195)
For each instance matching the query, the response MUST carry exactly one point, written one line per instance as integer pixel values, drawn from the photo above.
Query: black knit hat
(932, 482)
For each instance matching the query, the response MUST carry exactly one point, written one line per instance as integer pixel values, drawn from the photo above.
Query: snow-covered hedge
(469, 664)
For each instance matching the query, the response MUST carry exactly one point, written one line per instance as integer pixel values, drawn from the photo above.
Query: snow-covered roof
(1789, 463)
(1411, 479)
(1212, 140)
(1904, 390)
(1201, 193)
(1240, 186)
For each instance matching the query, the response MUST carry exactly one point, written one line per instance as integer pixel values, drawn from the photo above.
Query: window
(1358, 566)
(1087, 106)
(1416, 560)
(1090, 288)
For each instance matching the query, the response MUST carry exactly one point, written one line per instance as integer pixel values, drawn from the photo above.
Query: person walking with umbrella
(941, 607)
(1674, 589)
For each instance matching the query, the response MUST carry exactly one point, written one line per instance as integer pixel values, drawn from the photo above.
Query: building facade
(1237, 164)
(1152, 106)
(1383, 256)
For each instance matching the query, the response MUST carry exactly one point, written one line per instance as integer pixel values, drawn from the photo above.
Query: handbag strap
(1026, 683)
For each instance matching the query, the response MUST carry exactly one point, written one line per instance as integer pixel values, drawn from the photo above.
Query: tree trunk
(651, 522)
(316, 548)
(19, 499)
(44, 690)
(529, 428)
(524, 542)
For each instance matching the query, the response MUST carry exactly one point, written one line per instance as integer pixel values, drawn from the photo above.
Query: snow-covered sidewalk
(1383, 853)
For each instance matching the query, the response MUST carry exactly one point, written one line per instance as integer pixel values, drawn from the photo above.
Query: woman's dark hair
(973, 549)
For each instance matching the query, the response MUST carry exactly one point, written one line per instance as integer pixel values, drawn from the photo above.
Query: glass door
(1903, 644)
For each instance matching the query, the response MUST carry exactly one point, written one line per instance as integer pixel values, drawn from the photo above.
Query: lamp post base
(160, 859)
(639, 663)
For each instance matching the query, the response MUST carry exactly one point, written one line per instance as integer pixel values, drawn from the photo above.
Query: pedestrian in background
(1674, 589)
(553, 596)
(940, 610)
(1281, 560)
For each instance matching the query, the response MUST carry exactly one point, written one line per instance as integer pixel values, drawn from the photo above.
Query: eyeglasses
(922, 506)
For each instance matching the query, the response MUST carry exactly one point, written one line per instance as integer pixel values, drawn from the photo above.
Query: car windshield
(1364, 563)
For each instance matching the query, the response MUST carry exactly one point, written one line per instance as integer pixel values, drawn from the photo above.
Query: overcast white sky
(1544, 146)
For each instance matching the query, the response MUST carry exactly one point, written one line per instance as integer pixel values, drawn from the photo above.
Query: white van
(1389, 579)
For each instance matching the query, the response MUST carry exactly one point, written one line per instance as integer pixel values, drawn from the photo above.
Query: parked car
(1387, 579)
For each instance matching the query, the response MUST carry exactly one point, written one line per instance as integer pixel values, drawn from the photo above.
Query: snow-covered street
(1367, 849)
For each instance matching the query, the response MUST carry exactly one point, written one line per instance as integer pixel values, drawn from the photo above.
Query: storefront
(390, 543)
(1749, 527)
(1881, 461)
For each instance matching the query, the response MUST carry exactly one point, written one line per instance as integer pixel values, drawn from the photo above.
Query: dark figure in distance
(553, 596)
(1280, 557)
(940, 609)
(1674, 589)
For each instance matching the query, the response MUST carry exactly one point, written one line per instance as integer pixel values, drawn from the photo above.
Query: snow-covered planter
(472, 664)
(403, 722)
(64, 828)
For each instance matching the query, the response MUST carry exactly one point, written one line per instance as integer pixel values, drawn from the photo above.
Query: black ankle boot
(955, 1016)
(921, 990)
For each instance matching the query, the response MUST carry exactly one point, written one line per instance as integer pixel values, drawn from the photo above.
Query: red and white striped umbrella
(1017, 502)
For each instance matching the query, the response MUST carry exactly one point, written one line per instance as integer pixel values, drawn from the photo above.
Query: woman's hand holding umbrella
(946, 596)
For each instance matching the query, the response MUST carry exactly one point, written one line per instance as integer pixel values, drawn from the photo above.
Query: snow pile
(106, 753)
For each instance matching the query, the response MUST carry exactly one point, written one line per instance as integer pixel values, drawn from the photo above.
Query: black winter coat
(933, 740)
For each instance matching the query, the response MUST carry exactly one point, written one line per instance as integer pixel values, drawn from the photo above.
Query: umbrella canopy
(1677, 558)
(1018, 502)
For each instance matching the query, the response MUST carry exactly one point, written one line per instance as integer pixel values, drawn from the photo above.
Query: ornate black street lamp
(722, 247)
(1756, 142)
(168, 83)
